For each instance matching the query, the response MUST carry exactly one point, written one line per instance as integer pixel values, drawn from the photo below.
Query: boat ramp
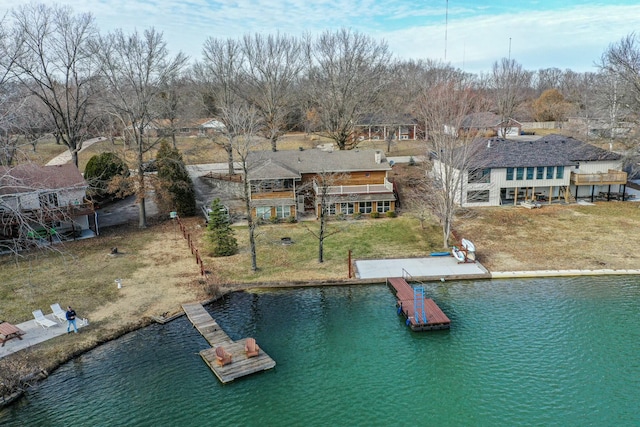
(241, 365)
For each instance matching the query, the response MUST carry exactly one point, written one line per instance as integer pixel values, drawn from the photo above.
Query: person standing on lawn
(71, 318)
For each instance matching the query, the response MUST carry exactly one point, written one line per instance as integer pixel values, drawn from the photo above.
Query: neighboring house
(488, 124)
(44, 202)
(503, 171)
(286, 183)
(196, 127)
(372, 128)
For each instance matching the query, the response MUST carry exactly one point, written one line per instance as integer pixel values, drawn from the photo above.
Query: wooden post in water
(350, 267)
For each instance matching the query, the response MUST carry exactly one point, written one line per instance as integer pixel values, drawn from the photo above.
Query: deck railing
(386, 187)
(610, 177)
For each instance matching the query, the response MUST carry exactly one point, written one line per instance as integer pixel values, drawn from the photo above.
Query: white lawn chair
(43, 321)
(59, 313)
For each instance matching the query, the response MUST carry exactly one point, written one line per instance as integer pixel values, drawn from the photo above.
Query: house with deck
(44, 202)
(289, 183)
(488, 124)
(402, 127)
(501, 171)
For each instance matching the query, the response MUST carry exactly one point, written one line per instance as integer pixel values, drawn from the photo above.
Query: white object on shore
(468, 245)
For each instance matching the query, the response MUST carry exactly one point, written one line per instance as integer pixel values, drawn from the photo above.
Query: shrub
(412, 161)
(391, 214)
(100, 170)
(341, 216)
(291, 219)
(175, 189)
(357, 215)
(274, 220)
(375, 215)
(220, 232)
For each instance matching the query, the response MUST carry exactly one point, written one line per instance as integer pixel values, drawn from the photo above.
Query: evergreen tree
(101, 169)
(175, 190)
(220, 232)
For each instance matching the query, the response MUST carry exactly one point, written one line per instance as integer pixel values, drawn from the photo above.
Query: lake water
(520, 352)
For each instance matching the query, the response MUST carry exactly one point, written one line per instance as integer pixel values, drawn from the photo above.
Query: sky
(470, 35)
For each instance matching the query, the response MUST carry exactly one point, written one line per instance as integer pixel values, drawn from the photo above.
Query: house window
(530, 173)
(540, 172)
(283, 211)
(48, 200)
(346, 208)
(331, 209)
(383, 207)
(509, 174)
(479, 176)
(365, 207)
(560, 172)
(477, 196)
(549, 172)
(263, 212)
(519, 173)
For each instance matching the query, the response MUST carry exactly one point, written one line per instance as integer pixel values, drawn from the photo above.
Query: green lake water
(540, 352)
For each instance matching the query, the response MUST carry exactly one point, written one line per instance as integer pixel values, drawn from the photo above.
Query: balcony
(386, 187)
(612, 177)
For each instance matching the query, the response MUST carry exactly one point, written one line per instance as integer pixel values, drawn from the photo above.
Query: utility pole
(446, 24)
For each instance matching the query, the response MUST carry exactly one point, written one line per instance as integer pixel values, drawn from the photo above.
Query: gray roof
(483, 120)
(291, 163)
(551, 150)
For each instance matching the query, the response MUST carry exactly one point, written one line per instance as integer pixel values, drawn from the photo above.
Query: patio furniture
(222, 357)
(8, 331)
(251, 348)
(41, 320)
(59, 313)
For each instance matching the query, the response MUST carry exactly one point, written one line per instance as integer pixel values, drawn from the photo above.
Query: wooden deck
(215, 336)
(436, 319)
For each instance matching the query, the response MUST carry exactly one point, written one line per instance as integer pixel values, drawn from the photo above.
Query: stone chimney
(378, 157)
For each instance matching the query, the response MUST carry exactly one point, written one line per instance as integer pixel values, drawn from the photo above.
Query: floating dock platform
(422, 314)
(241, 365)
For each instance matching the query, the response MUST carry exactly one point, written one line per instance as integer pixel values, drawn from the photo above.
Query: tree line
(61, 76)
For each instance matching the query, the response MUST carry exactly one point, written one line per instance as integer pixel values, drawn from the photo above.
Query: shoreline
(41, 374)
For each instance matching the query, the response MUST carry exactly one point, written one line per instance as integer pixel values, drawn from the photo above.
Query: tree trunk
(274, 142)
(321, 235)
(142, 191)
(229, 149)
(250, 222)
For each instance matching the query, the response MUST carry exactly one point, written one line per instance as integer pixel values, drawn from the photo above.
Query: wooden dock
(404, 293)
(215, 336)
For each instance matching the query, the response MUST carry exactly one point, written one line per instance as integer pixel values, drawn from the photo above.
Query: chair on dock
(222, 357)
(251, 348)
(41, 320)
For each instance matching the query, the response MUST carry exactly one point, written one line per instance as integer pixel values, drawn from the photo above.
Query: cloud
(573, 37)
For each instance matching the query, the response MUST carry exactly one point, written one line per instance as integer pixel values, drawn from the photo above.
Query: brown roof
(30, 177)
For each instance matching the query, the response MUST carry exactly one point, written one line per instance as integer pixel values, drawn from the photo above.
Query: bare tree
(136, 67)
(508, 82)
(219, 74)
(246, 121)
(273, 65)
(325, 202)
(54, 61)
(346, 77)
(443, 108)
(621, 61)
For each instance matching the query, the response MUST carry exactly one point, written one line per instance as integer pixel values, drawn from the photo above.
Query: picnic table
(8, 331)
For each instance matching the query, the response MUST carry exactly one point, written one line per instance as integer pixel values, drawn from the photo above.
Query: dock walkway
(404, 293)
(241, 365)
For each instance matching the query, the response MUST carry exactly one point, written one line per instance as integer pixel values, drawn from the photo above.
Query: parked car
(206, 210)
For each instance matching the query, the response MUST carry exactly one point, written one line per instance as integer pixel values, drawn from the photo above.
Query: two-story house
(44, 202)
(288, 183)
(556, 167)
